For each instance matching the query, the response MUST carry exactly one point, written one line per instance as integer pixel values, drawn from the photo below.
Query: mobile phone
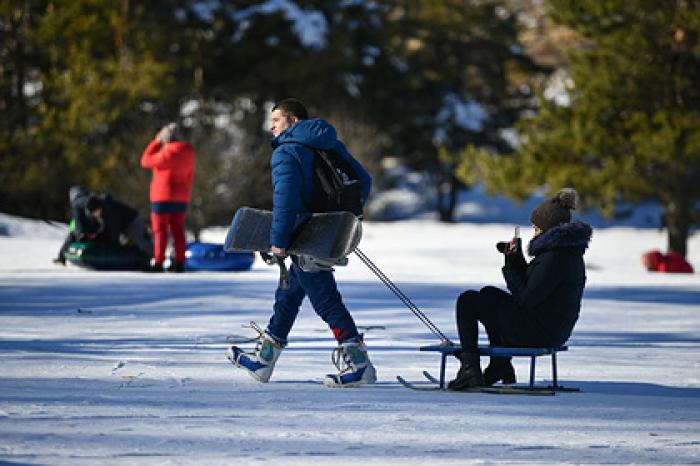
(517, 232)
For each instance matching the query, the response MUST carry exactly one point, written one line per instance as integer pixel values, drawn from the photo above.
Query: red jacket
(173, 170)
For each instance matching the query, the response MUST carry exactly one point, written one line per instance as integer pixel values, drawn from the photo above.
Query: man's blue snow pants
(325, 299)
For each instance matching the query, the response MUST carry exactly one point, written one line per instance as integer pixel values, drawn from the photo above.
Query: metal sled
(532, 353)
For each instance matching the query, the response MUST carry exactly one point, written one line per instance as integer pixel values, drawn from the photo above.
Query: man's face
(280, 121)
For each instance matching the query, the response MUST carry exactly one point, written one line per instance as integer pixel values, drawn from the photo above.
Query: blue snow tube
(212, 257)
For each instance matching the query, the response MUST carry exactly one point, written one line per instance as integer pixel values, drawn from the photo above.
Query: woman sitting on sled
(544, 300)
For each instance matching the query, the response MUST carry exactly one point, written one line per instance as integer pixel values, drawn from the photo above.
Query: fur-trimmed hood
(567, 235)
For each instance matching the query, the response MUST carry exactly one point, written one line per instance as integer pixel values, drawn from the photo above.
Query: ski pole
(405, 299)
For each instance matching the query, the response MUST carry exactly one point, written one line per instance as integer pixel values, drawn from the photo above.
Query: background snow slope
(129, 368)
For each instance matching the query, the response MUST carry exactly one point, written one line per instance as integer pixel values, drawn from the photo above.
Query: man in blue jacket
(295, 136)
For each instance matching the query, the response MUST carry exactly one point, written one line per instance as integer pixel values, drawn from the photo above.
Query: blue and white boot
(261, 362)
(354, 366)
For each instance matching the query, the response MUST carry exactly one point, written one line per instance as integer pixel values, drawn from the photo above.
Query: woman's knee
(466, 301)
(490, 290)
(494, 297)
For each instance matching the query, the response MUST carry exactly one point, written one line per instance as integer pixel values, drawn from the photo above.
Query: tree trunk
(447, 194)
(677, 220)
(19, 28)
(197, 233)
(679, 208)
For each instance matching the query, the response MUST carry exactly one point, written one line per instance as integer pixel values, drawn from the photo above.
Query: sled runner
(494, 390)
(329, 236)
(532, 353)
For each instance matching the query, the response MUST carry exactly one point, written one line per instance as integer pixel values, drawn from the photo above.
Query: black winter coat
(116, 217)
(548, 290)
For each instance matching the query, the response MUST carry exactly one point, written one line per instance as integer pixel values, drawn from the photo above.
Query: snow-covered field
(129, 368)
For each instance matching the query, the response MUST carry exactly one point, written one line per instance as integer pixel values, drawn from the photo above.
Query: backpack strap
(329, 186)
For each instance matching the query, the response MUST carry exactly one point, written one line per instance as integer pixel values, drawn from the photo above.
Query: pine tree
(94, 83)
(630, 131)
(464, 83)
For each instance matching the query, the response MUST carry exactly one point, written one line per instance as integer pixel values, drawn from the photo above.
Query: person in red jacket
(172, 162)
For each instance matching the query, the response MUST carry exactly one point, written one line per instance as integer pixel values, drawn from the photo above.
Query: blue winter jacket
(292, 166)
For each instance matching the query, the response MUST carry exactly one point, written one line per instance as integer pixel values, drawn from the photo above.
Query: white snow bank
(29, 228)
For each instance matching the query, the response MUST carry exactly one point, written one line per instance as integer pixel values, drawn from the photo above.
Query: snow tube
(212, 257)
(672, 262)
(102, 255)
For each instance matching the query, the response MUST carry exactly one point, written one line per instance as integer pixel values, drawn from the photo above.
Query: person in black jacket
(120, 223)
(83, 227)
(544, 300)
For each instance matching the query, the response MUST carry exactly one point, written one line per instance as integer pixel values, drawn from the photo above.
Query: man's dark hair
(292, 107)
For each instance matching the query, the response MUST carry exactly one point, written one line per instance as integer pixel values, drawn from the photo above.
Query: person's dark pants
(138, 235)
(490, 306)
(505, 323)
(323, 293)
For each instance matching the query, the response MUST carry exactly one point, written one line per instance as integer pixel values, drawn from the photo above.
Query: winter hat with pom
(555, 211)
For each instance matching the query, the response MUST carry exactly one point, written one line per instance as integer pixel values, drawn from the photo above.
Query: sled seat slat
(532, 353)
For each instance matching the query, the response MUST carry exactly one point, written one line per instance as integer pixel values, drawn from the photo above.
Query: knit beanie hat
(554, 211)
(76, 192)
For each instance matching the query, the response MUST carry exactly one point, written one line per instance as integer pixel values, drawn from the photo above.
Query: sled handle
(271, 259)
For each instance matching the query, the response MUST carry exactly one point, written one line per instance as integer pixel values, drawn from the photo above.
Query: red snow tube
(671, 262)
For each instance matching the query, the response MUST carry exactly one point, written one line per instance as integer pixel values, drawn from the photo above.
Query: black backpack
(336, 184)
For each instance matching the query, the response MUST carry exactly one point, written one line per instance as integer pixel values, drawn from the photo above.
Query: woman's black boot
(469, 374)
(499, 369)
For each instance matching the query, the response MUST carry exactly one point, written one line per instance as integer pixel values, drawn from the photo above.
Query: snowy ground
(124, 368)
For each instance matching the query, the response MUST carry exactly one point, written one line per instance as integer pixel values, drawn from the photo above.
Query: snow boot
(499, 369)
(261, 362)
(154, 268)
(354, 366)
(469, 374)
(176, 267)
